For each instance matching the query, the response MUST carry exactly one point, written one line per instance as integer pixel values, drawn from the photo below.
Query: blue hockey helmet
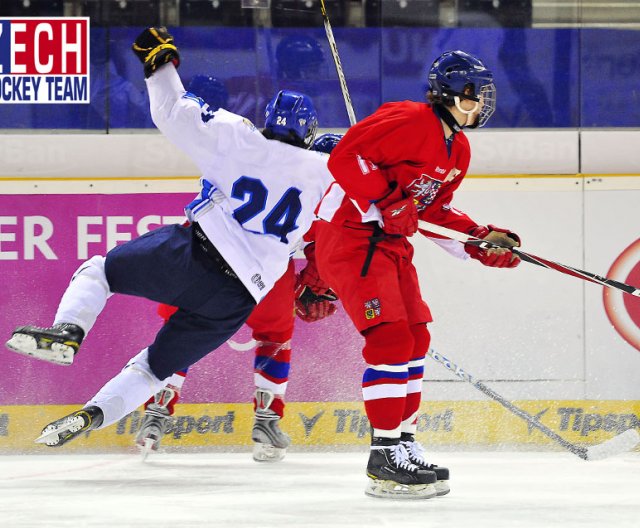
(299, 57)
(456, 72)
(211, 90)
(291, 117)
(326, 142)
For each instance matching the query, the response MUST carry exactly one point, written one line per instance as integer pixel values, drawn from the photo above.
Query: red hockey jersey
(402, 142)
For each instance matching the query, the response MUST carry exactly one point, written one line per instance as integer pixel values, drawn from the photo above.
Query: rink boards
(554, 344)
(449, 424)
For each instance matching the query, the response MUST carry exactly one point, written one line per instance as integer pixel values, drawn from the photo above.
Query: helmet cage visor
(488, 99)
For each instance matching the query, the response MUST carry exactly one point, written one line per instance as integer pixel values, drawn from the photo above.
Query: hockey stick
(614, 446)
(336, 59)
(532, 259)
(252, 343)
(242, 347)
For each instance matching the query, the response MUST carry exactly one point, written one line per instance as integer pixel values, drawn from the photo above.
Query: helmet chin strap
(468, 113)
(447, 117)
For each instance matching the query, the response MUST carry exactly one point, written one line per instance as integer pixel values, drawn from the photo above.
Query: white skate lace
(417, 451)
(400, 458)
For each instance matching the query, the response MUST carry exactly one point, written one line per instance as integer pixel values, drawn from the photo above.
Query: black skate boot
(157, 421)
(393, 476)
(270, 442)
(416, 455)
(57, 344)
(71, 426)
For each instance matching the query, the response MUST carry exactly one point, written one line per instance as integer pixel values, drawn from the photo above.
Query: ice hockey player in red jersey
(402, 163)
(271, 322)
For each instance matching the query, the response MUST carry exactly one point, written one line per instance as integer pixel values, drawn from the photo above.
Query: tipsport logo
(624, 310)
(44, 60)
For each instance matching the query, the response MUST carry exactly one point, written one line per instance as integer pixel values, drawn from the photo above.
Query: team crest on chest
(425, 188)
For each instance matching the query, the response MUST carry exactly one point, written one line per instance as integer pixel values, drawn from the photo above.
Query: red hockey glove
(311, 307)
(495, 258)
(314, 298)
(310, 276)
(400, 218)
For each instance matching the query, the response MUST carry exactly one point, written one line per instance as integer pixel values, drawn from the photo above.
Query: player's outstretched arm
(183, 118)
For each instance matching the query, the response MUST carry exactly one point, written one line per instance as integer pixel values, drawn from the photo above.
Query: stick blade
(614, 446)
(242, 347)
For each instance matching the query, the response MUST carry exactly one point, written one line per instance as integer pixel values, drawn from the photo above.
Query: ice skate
(393, 476)
(71, 426)
(415, 450)
(270, 442)
(156, 423)
(56, 344)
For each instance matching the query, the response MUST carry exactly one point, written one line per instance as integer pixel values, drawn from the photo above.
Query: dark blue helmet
(326, 142)
(299, 57)
(454, 72)
(290, 116)
(211, 90)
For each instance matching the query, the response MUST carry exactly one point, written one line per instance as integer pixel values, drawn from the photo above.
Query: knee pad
(92, 269)
(388, 343)
(421, 340)
(86, 295)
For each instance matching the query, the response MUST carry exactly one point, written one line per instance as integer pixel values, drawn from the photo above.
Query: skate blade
(387, 489)
(52, 435)
(442, 487)
(268, 453)
(147, 448)
(57, 353)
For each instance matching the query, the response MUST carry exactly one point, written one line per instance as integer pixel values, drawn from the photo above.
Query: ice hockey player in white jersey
(257, 201)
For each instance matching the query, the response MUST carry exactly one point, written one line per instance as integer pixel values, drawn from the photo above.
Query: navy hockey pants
(167, 265)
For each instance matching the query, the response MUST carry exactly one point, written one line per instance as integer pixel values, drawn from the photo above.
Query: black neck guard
(443, 113)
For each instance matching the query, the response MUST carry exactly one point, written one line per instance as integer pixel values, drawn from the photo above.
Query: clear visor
(487, 100)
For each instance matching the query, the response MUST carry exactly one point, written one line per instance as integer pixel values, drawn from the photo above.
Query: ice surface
(510, 490)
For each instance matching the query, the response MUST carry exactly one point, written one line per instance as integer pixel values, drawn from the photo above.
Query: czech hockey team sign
(44, 60)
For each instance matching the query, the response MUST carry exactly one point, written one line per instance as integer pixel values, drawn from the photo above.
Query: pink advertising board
(43, 240)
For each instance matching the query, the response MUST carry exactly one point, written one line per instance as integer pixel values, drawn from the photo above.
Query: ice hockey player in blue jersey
(257, 200)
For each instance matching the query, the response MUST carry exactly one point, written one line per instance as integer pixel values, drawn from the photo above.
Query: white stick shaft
(614, 446)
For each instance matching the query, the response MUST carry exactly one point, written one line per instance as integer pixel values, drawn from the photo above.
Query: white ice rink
(497, 490)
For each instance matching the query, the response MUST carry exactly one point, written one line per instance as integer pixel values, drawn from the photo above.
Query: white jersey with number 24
(258, 196)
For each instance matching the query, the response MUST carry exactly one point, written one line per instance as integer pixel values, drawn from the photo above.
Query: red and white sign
(44, 60)
(624, 310)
